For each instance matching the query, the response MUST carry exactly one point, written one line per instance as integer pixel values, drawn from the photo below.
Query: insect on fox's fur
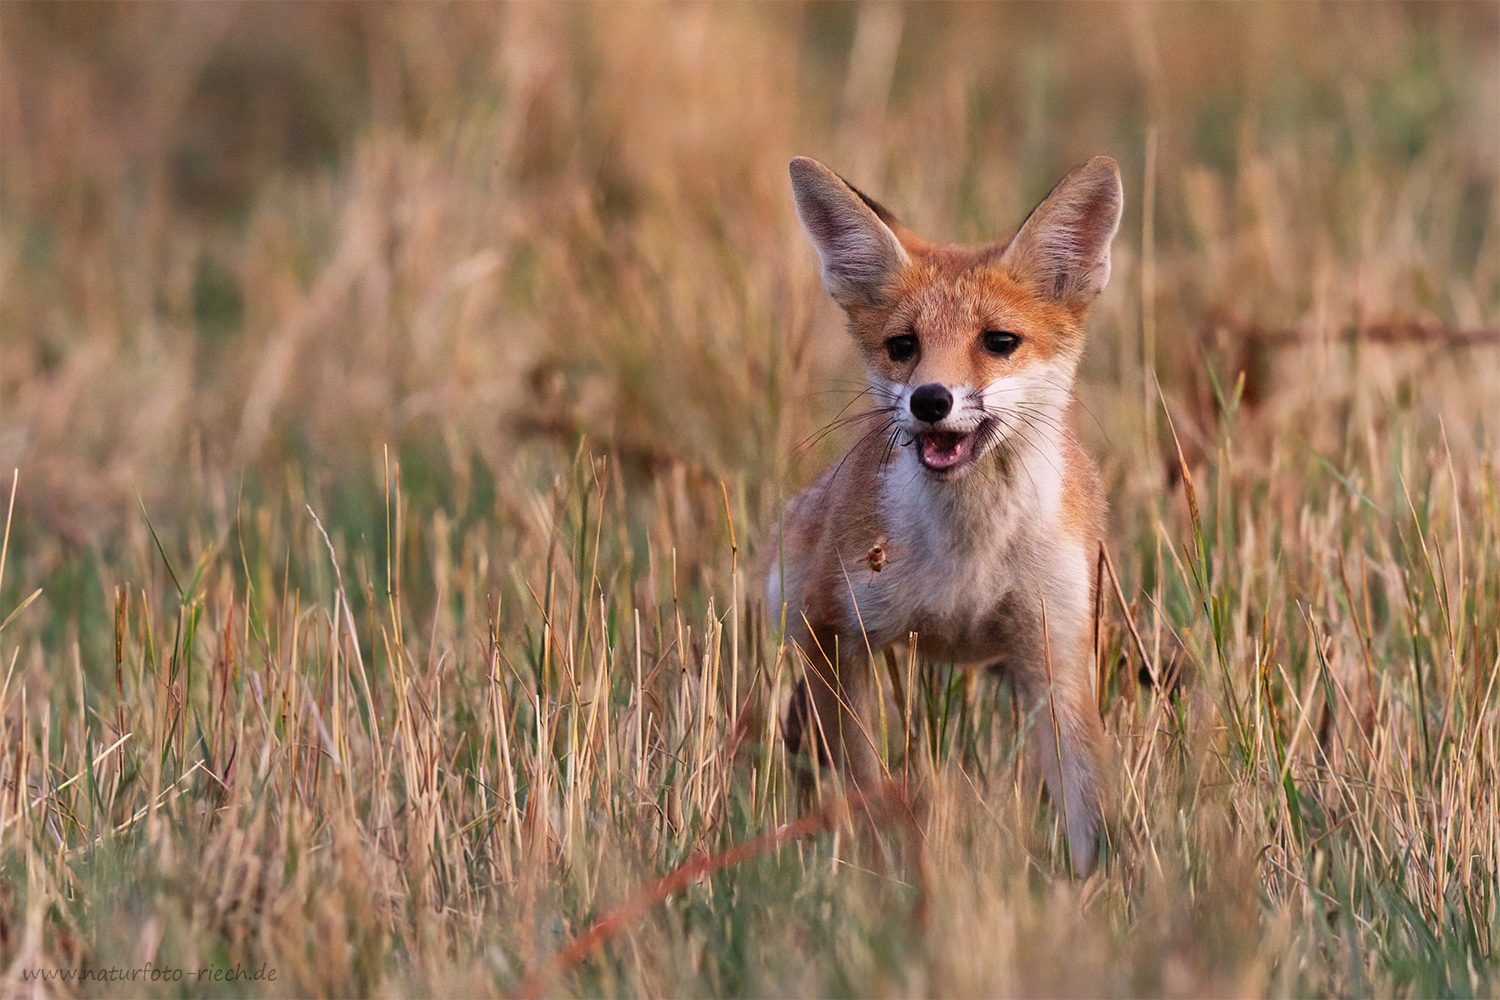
(966, 512)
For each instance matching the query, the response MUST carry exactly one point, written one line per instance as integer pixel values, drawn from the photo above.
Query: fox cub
(967, 513)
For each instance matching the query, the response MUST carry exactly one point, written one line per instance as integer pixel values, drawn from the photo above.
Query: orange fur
(985, 511)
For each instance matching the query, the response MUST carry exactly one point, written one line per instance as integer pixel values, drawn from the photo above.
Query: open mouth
(946, 452)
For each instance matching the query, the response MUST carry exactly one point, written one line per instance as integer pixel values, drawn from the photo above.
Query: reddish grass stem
(878, 805)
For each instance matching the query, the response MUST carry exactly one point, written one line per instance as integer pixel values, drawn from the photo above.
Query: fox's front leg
(1067, 738)
(827, 715)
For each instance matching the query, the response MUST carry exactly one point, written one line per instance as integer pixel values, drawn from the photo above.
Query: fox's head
(970, 347)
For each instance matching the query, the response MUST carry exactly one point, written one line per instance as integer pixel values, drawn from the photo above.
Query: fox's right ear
(860, 254)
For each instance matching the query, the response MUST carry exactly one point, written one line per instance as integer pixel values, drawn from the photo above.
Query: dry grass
(398, 394)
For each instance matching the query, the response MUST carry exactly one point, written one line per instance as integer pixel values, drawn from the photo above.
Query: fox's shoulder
(1082, 509)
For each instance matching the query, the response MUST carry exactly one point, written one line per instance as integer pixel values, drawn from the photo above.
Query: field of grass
(393, 399)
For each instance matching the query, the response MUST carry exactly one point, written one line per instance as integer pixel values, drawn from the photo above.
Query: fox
(968, 518)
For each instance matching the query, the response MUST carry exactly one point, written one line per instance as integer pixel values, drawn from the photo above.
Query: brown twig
(1393, 332)
(877, 805)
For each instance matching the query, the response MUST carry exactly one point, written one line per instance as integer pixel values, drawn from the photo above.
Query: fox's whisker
(1023, 426)
(1036, 414)
(890, 446)
(1013, 459)
(837, 423)
(1067, 390)
(856, 447)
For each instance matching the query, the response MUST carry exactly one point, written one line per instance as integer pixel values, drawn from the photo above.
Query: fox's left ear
(1063, 246)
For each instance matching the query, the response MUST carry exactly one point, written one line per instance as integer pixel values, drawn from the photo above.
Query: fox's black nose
(931, 402)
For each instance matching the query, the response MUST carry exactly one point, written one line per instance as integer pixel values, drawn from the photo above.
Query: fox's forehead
(959, 290)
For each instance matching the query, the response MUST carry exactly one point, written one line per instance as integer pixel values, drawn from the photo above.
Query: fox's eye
(1001, 343)
(901, 348)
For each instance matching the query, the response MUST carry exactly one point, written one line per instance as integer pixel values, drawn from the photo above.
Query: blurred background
(512, 300)
(253, 248)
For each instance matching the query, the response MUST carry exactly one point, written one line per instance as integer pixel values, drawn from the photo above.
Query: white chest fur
(965, 557)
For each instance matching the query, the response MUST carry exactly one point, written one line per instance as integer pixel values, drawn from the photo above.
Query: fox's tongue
(942, 449)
